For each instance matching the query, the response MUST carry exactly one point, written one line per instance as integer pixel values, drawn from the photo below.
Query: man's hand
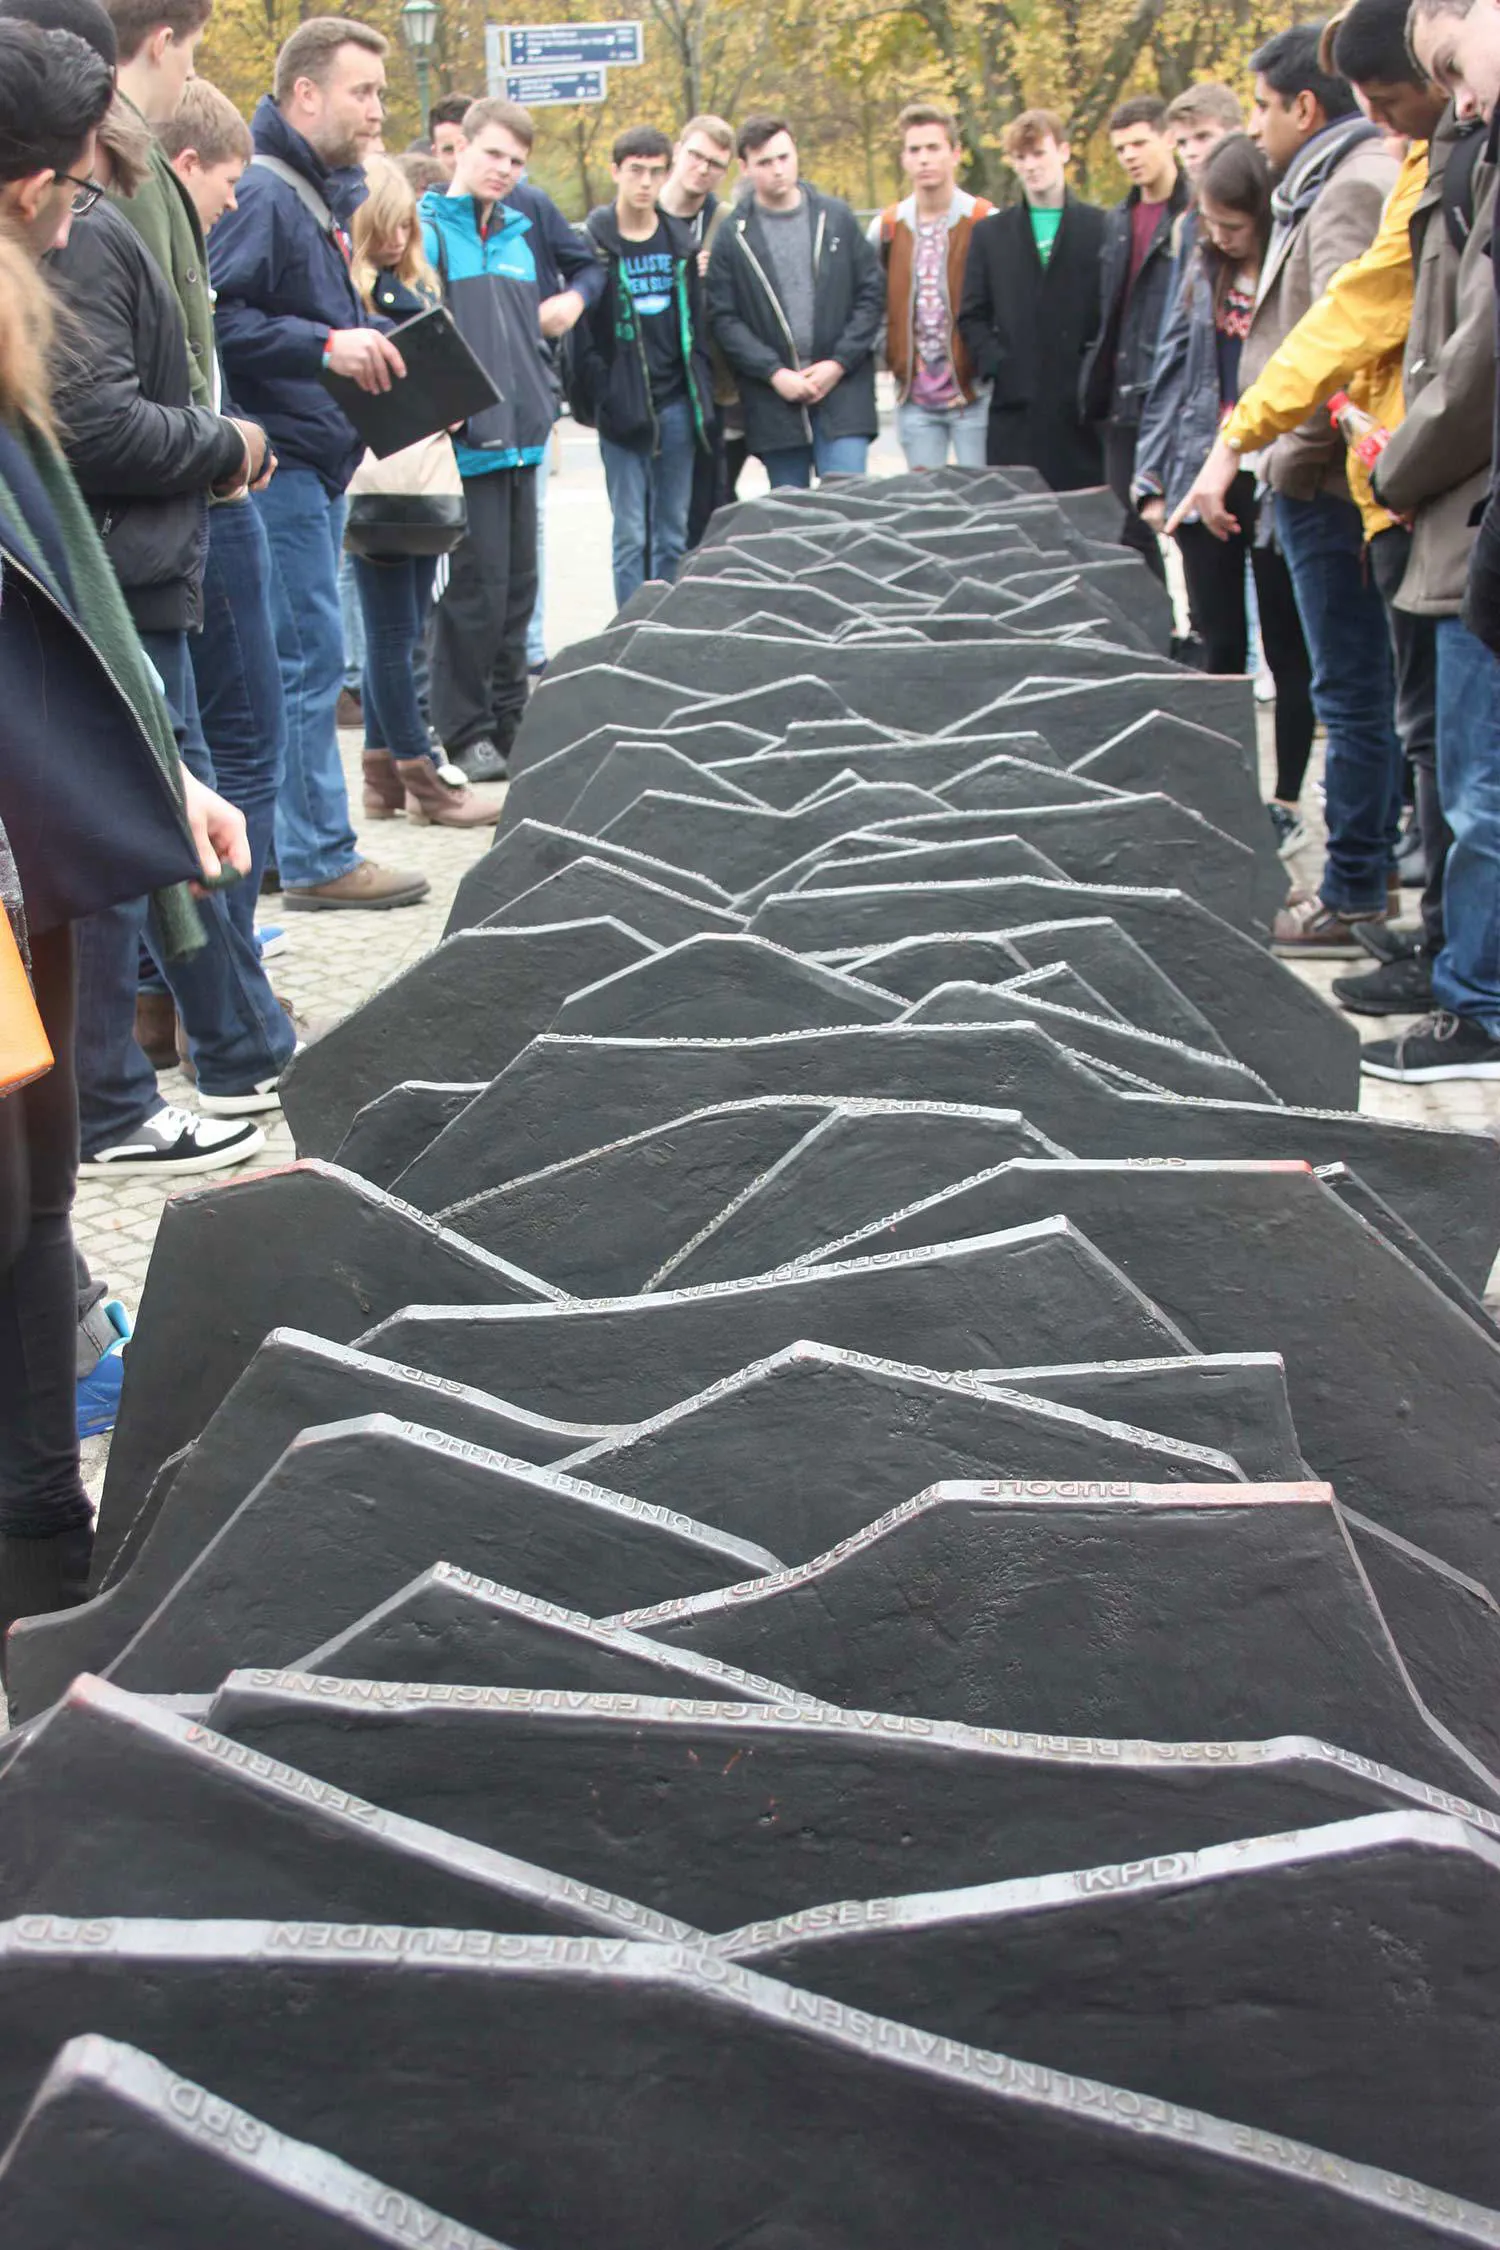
(218, 829)
(791, 384)
(1206, 499)
(822, 377)
(1154, 515)
(365, 356)
(703, 258)
(558, 314)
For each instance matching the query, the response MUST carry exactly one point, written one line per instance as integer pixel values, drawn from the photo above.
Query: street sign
(570, 46)
(547, 89)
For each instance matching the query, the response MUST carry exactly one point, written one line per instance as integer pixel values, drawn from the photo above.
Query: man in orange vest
(924, 246)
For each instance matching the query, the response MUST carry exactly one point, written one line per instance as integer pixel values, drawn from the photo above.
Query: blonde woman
(401, 768)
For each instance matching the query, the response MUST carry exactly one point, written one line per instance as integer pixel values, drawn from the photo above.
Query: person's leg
(970, 433)
(45, 1518)
(1466, 974)
(708, 478)
(1119, 468)
(838, 456)
(1414, 649)
(240, 698)
(923, 436)
(470, 621)
(627, 479)
(390, 603)
(1353, 692)
(508, 684)
(117, 1090)
(1215, 574)
(788, 465)
(536, 626)
(315, 840)
(672, 489)
(353, 625)
(1290, 667)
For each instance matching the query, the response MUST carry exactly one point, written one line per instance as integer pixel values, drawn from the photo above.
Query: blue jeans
(649, 497)
(830, 456)
(315, 840)
(1466, 974)
(394, 599)
(927, 437)
(238, 680)
(354, 626)
(1354, 695)
(237, 1031)
(536, 631)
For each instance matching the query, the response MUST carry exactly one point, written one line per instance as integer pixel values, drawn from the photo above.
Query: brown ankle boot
(435, 801)
(384, 795)
(156, 1028)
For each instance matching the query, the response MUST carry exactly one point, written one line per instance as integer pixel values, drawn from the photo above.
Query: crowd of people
(1278, 349)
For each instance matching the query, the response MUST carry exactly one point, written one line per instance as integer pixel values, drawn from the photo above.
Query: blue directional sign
(546, 89)
(571, 46)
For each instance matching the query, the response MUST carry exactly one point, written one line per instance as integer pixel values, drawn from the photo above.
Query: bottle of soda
(1366, 438)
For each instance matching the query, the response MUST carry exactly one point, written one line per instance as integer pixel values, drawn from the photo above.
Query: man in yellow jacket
(1351, 339)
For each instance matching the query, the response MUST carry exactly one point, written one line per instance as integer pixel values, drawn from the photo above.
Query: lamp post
(419, 19)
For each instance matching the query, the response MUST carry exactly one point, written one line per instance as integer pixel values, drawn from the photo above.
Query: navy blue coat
(283, 283)
(564, 258)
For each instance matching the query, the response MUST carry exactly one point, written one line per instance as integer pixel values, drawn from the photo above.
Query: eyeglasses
(86, 193)
(709, 163)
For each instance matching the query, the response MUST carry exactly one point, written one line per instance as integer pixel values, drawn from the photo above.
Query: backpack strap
(888, 223)
(306, 194)
(1458, 187)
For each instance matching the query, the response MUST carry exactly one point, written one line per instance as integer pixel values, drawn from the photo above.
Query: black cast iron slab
(1267, 1016)
(116, 2151)
(390, 1132)
(306, 1243)
(294, 1382)
(1039, 1293)
(566, 709)
(739, 845)
(351, 1512)
(1449, 1630)
(462, 1011)
(1151, 1975)
(1399, 1407)
(787, 776)
(722, 988)
(856, 2133)
(547, 790)
(1236, 1400)
(532, 850)
(634, 767)
(1135, 1056)
(1196, 764)
(184, 1822)
(558, 1097)
(1170, 1611)
(721, 1813)
(1077, 716)
(800, 1450)
(589, 887)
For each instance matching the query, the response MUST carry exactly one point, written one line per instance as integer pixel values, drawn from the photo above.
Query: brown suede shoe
(384, 795)
(440, 797)
(365, 885)
(156, 1028)
(1307, 930)
(351, 709)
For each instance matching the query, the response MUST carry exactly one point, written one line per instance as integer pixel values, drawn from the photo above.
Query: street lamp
(419, 20)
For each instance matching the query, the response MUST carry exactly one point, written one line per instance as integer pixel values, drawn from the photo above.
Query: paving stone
(463, 1012)
(1267, 1016)
(1399, 1409)
(352, 1511)
(183, 1822)
(1236, 1400)
(390, 1132)
(561, 1094)
(526, 854)
(738, 845)
(294, 1382)
(1147, 1975)
(1042, 1290)
(1140, 1057)
(1174, 1612)
(116, 2150)
(450, 1627)
(308, 1244)
(848, 2129)
(801, 1450)
(591, 887)
(666, 1800)
(724, 987)
(566, 709)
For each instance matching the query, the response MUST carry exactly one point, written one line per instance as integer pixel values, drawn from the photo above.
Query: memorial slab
(634, 767)
(590, 888)
(1077, 716)
(566, 709)
(723, 987)
(532, 850)
(787, 776)
(306, 1243)
(739, 845)
(391, 1131)
(1141, 1057)
(1235, 1400)
(1450, 1632)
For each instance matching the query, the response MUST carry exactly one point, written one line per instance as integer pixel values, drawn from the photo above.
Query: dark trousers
(479, 680)
(1414, 648)
(1215, 574)
(237, 674)
(708, 481)
(1120, 440)
(40, 1487)
(395, 599)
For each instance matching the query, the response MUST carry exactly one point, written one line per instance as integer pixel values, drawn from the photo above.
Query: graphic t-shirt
(1045, 228)
(1231, 327)
(647, 271)
(934, 384)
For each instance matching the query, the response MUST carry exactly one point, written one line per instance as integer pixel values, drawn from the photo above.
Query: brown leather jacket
(894, 236)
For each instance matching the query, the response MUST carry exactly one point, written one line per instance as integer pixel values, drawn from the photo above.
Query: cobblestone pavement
(333, 961)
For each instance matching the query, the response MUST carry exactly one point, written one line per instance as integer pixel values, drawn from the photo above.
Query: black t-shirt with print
(648, 271)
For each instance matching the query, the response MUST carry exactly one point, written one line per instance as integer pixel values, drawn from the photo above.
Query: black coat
(750, 330)
(145, 457)
(1027, 327)
(1117, 371)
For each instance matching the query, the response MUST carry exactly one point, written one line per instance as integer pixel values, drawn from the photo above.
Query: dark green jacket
(162, 213)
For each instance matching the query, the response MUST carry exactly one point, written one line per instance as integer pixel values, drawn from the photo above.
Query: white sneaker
(174, 1141)
(263, 1095)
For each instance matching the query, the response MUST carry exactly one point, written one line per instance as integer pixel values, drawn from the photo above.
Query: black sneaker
(1396, 988)
(1389, 941)
(1441, 1046)
(483, 760)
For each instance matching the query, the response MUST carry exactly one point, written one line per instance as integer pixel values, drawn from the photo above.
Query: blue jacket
(1183, 409)
(490, 287)
(283, 284)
